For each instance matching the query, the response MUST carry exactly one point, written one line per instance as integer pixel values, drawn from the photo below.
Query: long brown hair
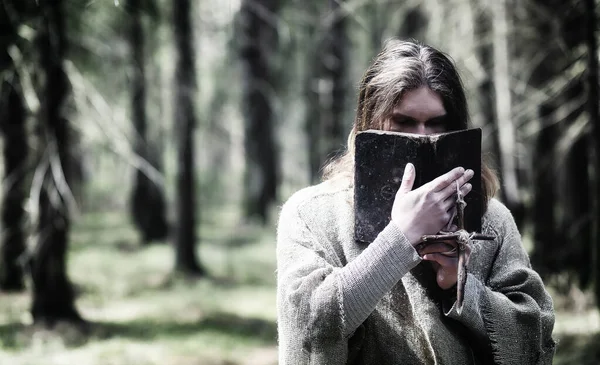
(402, 66)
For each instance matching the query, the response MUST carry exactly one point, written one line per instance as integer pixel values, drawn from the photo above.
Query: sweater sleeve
(511, 313)
(320, 303)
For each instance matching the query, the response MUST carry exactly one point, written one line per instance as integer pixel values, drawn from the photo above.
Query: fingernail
(468, 186)
(408, 168)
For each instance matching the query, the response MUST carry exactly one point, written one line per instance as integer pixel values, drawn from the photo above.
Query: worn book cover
(380, 159)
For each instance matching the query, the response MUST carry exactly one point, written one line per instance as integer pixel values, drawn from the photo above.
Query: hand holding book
(430, 207)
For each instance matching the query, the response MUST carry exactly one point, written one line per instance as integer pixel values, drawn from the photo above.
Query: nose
(421, 128)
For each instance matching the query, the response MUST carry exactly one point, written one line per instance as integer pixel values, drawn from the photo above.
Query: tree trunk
(482, 26)
(147, 201)
(546, 238)
(335, 65)
(593, 97)
(578, 210)
(325, 89)
(375, 14)
(12, 124)
(53, 296)
(414, 24)
(185, 122)
(548, 241)
(311, 91)
(257, 41)
(504, 122)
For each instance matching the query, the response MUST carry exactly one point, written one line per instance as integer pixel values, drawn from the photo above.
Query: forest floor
(141, 314)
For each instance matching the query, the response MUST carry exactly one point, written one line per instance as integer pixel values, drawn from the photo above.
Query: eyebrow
(401, 115)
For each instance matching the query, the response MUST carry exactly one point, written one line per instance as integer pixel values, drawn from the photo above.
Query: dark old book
(380, 159)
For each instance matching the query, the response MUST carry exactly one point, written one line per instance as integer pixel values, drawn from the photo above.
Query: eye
(397, 122)
(437, 122)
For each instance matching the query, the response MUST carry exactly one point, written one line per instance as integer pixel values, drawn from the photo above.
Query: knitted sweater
(343, 302)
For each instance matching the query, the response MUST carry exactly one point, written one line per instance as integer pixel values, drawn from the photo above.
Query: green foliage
(142, 313)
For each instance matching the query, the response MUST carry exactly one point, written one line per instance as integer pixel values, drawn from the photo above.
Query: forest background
(147, 146)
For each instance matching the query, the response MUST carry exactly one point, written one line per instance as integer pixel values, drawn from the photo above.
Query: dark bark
(553, 252)
(326, 87)
(312, 124)
(335, 62)
(414, 24)
(593, 96)
(376, 14)
(311, 91)
(53, 295)
(505, 129)
(571, 177)
(482, 20)
(12, 124)
(546, 238)
(147, 200)
(484, 52)
(185, 122)
(578, 210)
(257, 39)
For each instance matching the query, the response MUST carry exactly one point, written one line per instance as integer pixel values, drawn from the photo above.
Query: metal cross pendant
(463, 240)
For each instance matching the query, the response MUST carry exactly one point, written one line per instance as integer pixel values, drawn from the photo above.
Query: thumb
(441, 259)
(408, 179)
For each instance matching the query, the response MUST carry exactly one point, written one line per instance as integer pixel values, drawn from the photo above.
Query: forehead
(421, 104)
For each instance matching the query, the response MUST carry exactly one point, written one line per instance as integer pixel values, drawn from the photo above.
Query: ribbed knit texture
(379, 303)
(375, 272)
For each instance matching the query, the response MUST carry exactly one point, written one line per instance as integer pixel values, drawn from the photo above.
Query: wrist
(413, 237)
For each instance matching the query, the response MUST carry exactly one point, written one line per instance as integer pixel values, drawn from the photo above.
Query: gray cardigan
(342, 302)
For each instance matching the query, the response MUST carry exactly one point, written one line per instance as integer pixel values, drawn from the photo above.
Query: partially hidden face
(420, 111)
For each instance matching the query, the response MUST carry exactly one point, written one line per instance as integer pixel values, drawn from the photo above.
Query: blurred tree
(544, 256)
(15, 148)
(335, 64)
(326, 85)
(482, 29)
(560, 164)
(257, 37)
(505, 129)
(312, 57)
(414, 24)
(571, 168)
(593, 106)
(375, 14)
(185, 123)
(53, 295)
(147, 201)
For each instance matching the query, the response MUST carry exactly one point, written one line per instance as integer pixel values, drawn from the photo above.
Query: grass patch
(140, 313)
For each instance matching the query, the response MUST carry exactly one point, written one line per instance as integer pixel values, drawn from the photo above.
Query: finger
(448, 179)
(445, 279)
(452, 212)
(408, 179)
(449, 206)
(466, 189)
(436, 267)
(438, 247)
(450, 190)
(443, 260)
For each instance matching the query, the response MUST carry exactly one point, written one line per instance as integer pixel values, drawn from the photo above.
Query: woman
(343, 302)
